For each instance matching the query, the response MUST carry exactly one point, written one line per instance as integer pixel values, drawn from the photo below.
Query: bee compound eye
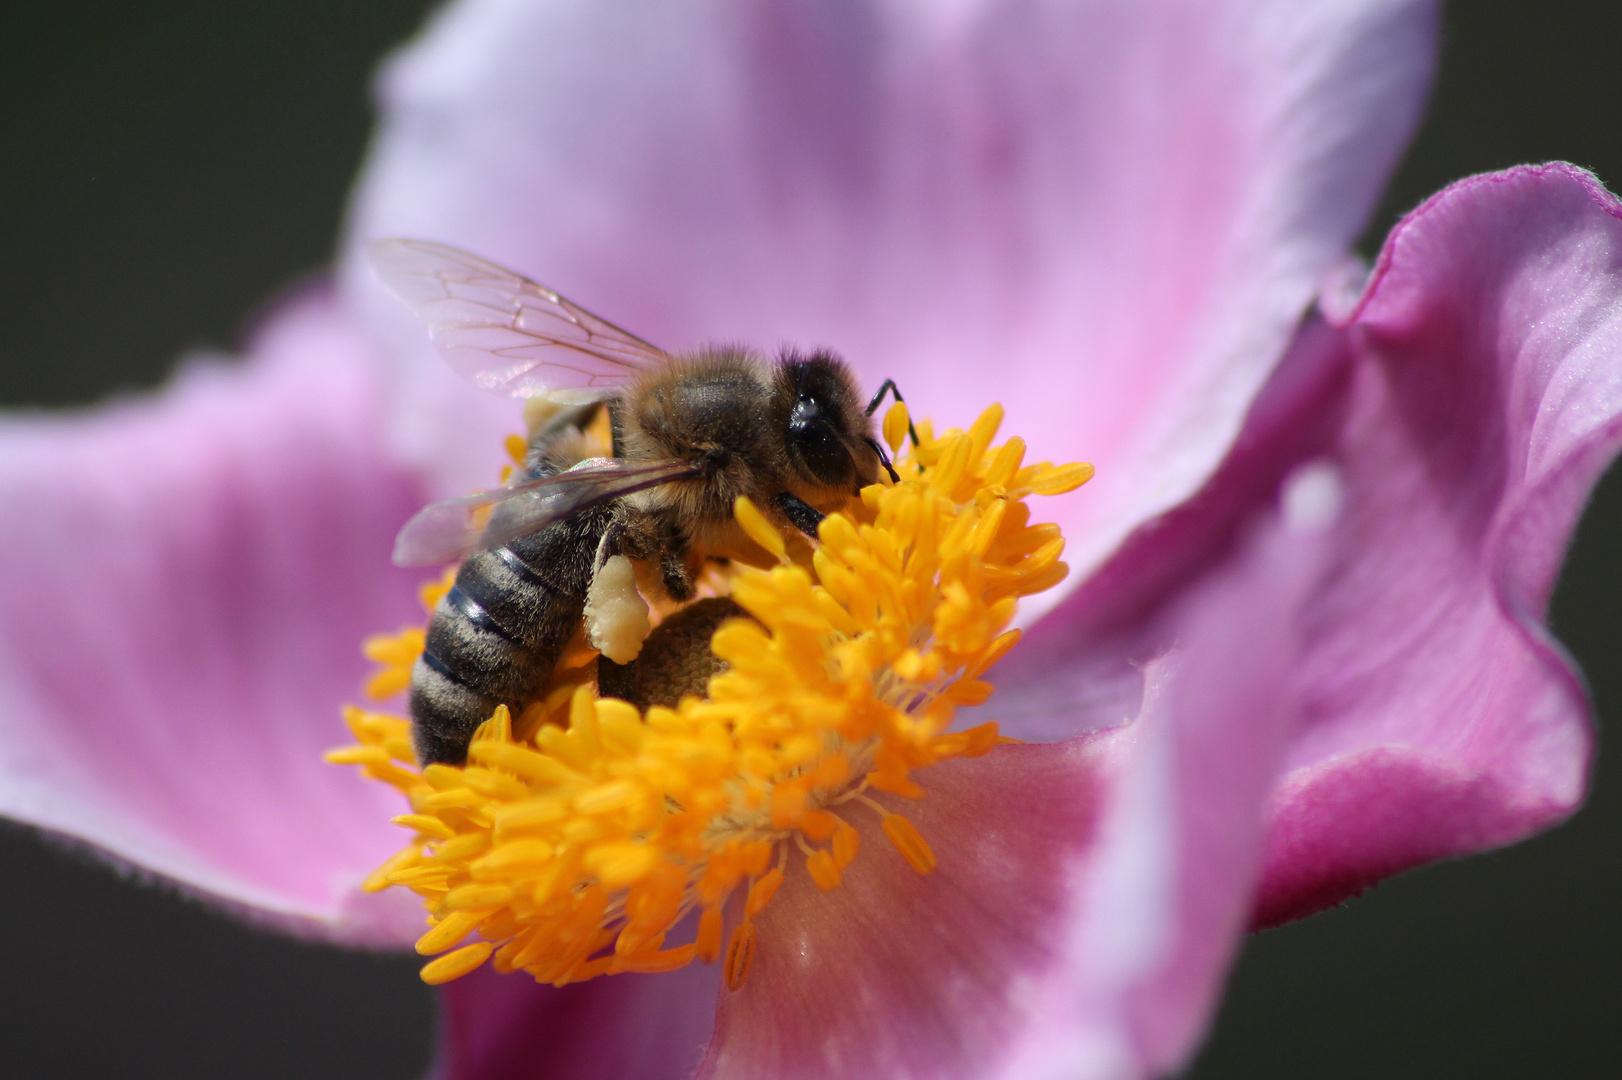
(823, 454)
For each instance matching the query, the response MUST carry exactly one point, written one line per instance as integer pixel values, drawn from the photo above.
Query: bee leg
(613, 679)
(656, 541)
(673, 571)
(608, 546)
(888, 387)
(802, 515)
(884, 459)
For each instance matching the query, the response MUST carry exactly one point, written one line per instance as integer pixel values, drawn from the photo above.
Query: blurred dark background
(168, 166)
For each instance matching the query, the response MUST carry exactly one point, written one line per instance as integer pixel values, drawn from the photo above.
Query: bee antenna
(883, 459)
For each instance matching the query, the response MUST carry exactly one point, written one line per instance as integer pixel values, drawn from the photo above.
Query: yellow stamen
(581, 835)
(913, 847)
(709, 935)
(761, 893)
(1064, 478)
(847, 842)
(820, 865)
(754, 523)
(895, 426)
(455, 965)
(450, 930)
(740, 954)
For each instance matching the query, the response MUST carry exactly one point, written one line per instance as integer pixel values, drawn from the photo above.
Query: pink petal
(1467, 408)
(1078, 669)
(894, 974)
(1088, 895)
(191, 575)
(1108, 216)
(1160, 900)
(507, 1027)
(1087, 901)
(1485, 404)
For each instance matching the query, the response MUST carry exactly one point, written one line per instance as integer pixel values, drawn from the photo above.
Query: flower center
(583, 834)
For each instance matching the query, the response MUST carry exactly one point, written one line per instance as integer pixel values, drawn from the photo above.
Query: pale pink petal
(189, 577)
(1443, 718)
(1106, 215)
(1076, 670)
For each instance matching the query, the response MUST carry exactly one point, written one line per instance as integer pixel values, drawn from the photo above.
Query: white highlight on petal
(1311, 496)
(1341, 289)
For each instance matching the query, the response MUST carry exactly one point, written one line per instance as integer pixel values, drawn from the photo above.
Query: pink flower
(1303, 645)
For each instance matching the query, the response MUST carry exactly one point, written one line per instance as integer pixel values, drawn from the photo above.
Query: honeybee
(691, 433)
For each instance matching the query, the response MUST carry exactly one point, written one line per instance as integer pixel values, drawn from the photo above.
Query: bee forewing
(447, 531)
(503, 331)
(442, 532)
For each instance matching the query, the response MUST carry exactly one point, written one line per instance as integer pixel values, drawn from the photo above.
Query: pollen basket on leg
(587, 837)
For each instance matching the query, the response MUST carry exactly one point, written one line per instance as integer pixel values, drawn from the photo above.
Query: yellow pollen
(585, 837)
(517, 448)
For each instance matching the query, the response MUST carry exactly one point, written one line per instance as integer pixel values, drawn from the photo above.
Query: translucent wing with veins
(503, 331)
(447, 531)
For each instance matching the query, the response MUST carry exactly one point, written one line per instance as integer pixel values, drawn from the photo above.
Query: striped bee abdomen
(496, 636)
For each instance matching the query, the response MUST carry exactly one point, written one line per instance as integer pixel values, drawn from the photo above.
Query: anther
(708, 938)
(755, 525)
(455, 965)
(913, 847)
(1062, 479)
(823, 870)
(761, 893)
(847, 841)
(740, 954)
(451, 929)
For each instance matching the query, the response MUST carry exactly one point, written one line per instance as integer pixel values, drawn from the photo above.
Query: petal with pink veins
(897, 974)
(191, 574)
(1106, 215)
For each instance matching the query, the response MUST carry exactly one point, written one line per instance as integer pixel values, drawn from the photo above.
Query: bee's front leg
(801, 514)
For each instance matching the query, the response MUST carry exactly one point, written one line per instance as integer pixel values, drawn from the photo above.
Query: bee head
(825, 429)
